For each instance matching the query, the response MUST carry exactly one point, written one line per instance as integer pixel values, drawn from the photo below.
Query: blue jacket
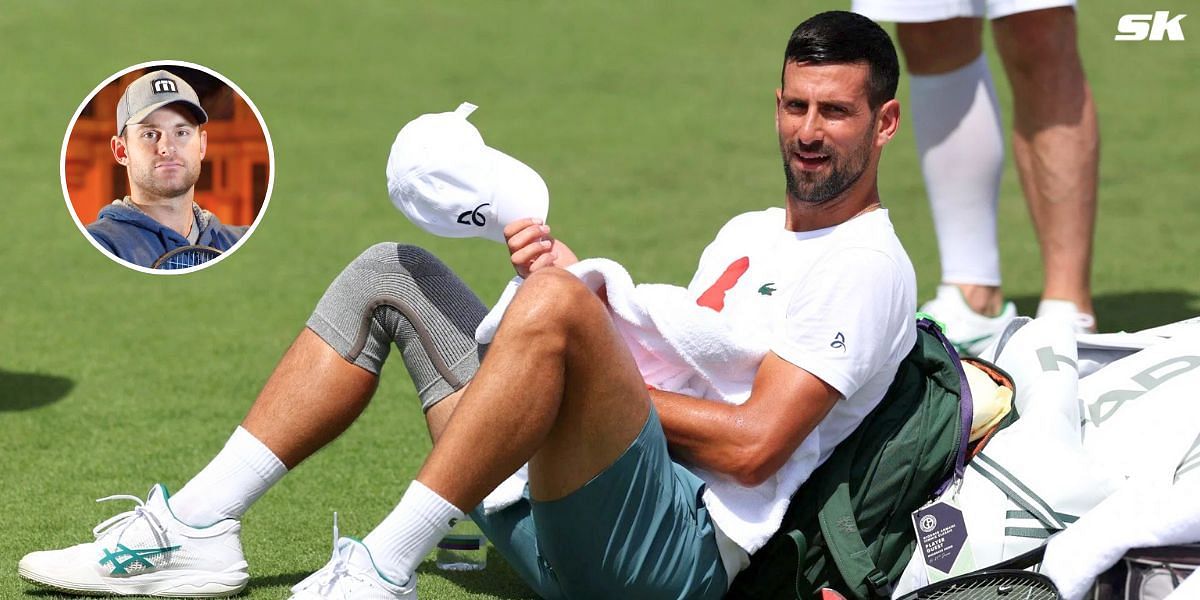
(135, 237)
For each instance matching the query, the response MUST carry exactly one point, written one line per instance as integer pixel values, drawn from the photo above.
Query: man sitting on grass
(608, 512)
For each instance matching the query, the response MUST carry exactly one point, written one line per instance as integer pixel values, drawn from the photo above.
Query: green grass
(652, 124)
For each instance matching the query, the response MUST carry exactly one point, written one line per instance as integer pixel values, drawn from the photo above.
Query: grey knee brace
(403, 294)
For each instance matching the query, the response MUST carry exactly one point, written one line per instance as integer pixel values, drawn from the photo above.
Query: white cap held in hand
(447, 181)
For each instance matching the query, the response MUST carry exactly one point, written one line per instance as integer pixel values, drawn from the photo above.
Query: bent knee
(380, 252)
(559, 286)
(555, 296)
(394, 254)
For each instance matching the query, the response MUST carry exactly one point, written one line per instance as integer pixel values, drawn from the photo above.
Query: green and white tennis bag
(1033, 478)
(1132, 418)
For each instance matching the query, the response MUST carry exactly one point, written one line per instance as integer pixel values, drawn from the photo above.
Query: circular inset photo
(167, 167)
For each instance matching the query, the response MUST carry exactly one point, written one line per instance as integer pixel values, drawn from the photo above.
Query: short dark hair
(837, 37)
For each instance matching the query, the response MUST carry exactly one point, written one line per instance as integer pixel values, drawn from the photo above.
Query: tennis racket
(1004, 581)
(1002, 584)
(185, 257)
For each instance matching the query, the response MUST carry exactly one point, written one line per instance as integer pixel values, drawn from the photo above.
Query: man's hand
(530, 247)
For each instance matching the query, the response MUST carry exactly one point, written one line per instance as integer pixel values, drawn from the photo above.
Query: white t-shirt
(839, 303)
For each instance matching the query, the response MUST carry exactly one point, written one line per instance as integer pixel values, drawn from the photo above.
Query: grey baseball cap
(153, 91)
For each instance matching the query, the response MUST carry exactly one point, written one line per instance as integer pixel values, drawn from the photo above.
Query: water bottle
(463, 549)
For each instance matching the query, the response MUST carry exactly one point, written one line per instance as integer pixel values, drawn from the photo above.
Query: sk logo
(1155, 28)
(766, 289)
(468, 217)
(162, 86)
(839, 342)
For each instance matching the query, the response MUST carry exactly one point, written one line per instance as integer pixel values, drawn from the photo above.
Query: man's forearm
(752, 440)
(713, 435)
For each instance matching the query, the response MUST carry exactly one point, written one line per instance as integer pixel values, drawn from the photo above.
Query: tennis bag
(849, 527)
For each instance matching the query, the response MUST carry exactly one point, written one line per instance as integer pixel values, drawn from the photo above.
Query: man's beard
(812, 188)
(145, 179)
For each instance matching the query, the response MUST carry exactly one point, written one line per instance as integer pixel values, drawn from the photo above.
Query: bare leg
(328, 376)
(558, 388)
(939, 48)
(390, 295)
(1056, 144)
(310, 399)
(439, 415)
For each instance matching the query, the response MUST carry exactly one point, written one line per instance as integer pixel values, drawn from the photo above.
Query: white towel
(1142, 514)
(678, 345)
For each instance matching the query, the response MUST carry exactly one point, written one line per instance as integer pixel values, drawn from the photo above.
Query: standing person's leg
(1056, 144)
(960, 142)
(559, 389)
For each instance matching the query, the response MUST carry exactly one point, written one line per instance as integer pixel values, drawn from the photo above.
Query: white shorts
(928, 11)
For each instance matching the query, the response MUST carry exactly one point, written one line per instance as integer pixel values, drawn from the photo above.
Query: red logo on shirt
(714, 296)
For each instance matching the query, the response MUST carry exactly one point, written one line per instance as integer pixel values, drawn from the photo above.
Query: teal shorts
(636, 530)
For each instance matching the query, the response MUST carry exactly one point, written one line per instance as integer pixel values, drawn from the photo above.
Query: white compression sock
(961, 145)
(412, 529)
(237, 476)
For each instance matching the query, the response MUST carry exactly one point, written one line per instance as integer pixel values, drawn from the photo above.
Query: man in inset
(823, 284)
(161, 142)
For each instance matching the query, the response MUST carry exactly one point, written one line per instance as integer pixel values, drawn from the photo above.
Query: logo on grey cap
(153, 91)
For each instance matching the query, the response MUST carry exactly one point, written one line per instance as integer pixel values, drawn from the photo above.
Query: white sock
(1067, 311)
(237, 476)
(960, 142)
(412, 529)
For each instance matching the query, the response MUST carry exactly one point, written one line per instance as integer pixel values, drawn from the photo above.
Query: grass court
(652, 124)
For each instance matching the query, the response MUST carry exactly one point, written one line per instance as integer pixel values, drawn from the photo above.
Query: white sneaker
(968, 330)
(1066, 310)
(351, 574)
(146, 552)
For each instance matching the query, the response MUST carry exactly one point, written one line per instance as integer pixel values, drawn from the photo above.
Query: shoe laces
(119, 523)
(327, 580)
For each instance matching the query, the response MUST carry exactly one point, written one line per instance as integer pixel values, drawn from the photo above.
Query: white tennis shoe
(351, 574)
(1066, 310)
(968, 330)
(146, 552)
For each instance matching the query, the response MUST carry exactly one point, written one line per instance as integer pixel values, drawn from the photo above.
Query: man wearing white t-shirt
(631, 493)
